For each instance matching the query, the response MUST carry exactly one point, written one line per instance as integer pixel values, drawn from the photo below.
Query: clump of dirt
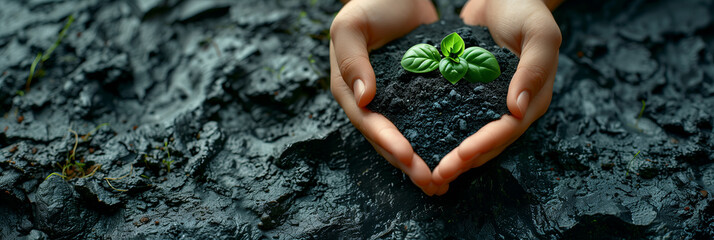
(433, 114)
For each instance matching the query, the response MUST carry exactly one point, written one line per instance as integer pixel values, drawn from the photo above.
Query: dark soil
(433, 114)
(239, 93)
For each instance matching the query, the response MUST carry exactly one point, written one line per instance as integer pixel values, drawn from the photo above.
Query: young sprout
(627, 173)
(167, 162)
(475, 64)
(73, 168)
(46, 55)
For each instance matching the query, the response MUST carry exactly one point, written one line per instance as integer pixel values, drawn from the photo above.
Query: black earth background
(237, 93)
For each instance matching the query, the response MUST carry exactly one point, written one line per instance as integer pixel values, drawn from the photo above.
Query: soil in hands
(433, 114)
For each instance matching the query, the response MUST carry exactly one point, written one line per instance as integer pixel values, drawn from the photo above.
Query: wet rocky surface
(220, 124)
(433, 114)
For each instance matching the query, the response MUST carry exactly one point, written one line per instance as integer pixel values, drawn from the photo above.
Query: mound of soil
(433, 114)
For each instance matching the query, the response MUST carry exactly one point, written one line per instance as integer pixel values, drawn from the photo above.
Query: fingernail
(358, 88)
(522, 102)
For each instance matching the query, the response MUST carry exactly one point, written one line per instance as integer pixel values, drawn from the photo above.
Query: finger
(538, 63)
(501, 133)
(442, 189)
(491, 135)
(448, 169)
(397, 149)
(391, 159)
(472, 13)
(373, 126)
(517, 128)
(350, 43)
(355, 31)
(452, 166)
(419, 174)
(487, 143)
(484, 158)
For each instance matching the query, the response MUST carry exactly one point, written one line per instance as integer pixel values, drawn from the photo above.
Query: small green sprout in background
(73, 168)
(42, 57)
(32, 72)
(475, 64)
(88, 136)
(61, 35)
(627, 173)
(311, 60)
(278, 73)
(167, 162)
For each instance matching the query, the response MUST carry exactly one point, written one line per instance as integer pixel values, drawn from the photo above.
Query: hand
(528, 29)
(359, 27)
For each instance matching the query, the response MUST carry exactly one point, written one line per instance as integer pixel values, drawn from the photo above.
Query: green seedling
(32, 72)
(87, 136)
(61, 35)
(146, 163)
(278, 73)
(167, 162)
(42, 57)
(312, 61)
(627, 173)
(475, 64)
(72, 168)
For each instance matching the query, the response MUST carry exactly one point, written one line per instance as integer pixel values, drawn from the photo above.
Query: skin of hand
(527, 28)
(360, 26)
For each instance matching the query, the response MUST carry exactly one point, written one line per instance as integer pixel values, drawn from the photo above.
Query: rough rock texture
(58, 210)
(433, 114)
(238, 94)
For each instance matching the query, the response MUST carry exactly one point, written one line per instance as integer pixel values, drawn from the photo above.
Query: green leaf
(453, 71)
(61, 35)
(32, 71)
(452, 46)
(482, 65)
(421, 58)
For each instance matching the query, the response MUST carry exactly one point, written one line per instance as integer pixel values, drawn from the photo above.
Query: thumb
(538, 64)
(364, 25)
(350, 44)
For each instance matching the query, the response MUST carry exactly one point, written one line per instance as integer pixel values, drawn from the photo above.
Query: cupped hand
(527, 28)
(360, 26)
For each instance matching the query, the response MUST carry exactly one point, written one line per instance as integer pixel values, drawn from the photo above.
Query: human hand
(361, 26)
(528, 29)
